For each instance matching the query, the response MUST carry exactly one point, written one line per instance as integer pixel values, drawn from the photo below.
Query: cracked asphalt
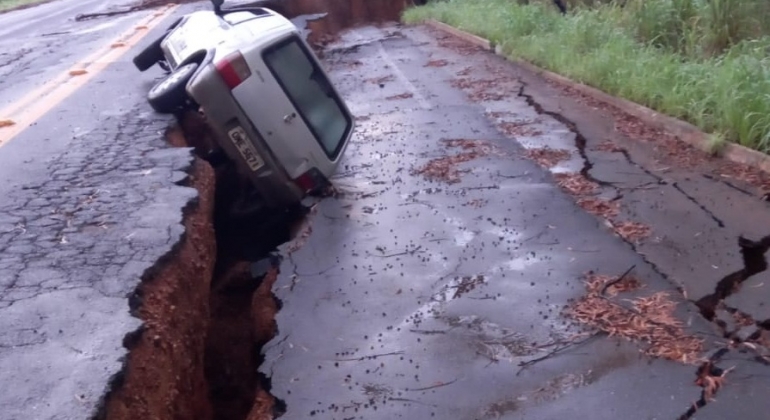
(407, 296)
(413, 297)
(92, 198)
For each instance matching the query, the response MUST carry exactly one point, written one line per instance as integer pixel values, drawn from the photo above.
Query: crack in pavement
(708, 212)
(709, 375)
(729, 184)
(580, 144)
(16, 56)
(754, 262)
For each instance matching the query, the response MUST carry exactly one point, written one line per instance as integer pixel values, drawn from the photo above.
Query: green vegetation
(704, 61)
(11, 4)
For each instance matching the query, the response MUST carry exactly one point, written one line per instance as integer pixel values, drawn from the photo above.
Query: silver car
(263, 91)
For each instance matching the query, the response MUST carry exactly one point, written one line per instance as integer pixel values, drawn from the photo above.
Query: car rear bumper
(225, 115)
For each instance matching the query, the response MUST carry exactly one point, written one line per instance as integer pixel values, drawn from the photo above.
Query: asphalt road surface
(406, 296)
(414, 297)
(90, 202)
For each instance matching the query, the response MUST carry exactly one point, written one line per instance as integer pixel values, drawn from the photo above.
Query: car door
(314, 107)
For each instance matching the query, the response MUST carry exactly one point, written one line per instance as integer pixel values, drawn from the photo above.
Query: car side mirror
(217, 6)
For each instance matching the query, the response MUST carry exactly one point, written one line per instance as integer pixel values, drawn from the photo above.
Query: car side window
(310, 92)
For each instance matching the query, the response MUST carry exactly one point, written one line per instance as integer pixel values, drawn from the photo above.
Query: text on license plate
(247, 150)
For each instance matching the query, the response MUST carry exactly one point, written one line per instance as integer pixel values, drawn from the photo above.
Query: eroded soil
(164, 375)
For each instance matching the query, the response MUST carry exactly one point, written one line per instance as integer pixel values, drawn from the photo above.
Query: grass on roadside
(723, 91)
(10, 4)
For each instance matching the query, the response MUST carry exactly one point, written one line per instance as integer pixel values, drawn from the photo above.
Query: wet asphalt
(409, 298)
(38, 43)
(91, 199)
(412, 298)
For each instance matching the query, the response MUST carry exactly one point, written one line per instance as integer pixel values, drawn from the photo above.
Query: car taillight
(311, 181)
(234, 69)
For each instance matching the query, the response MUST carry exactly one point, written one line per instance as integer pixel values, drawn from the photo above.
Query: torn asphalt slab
(406, 301)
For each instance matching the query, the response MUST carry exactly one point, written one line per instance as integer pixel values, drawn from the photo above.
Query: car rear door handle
(287, 118)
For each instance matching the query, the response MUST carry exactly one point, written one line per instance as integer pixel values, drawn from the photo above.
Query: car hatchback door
(314, 112)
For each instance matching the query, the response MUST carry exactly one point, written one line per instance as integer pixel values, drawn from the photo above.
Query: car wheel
(169, 94)
(150, 55)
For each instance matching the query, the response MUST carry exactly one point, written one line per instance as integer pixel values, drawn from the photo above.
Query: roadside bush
(664, 54)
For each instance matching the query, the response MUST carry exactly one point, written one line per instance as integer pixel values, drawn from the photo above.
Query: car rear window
(310, 92)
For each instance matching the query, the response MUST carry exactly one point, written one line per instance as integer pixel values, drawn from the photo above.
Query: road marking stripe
(40, 101)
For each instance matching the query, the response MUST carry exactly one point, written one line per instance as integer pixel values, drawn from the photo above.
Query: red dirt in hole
(198, 134)
(164, 374)
(342, 14)
(242, 322)
(242, 319)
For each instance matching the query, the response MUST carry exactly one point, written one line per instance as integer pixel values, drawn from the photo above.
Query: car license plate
(247, 150)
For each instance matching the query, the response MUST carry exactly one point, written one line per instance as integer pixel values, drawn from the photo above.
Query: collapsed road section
(468, 305)
(458, 315)
(208, 308)
(432, 284)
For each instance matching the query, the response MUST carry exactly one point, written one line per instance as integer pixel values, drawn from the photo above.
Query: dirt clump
(164, 376)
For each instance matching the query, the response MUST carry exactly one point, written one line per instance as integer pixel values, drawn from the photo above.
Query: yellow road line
(32, 106)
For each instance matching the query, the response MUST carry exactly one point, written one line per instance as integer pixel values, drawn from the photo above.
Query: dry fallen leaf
(518, 128)
(405, 95)
(77, 72)
(603, 208)
(575, 184)
(649, 319)
(631, 231)
(6, 123)
(547, 157)
(436, 63)
(445, 168)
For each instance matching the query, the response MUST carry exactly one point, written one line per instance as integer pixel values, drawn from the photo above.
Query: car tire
(169, 94)
(150, 55)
